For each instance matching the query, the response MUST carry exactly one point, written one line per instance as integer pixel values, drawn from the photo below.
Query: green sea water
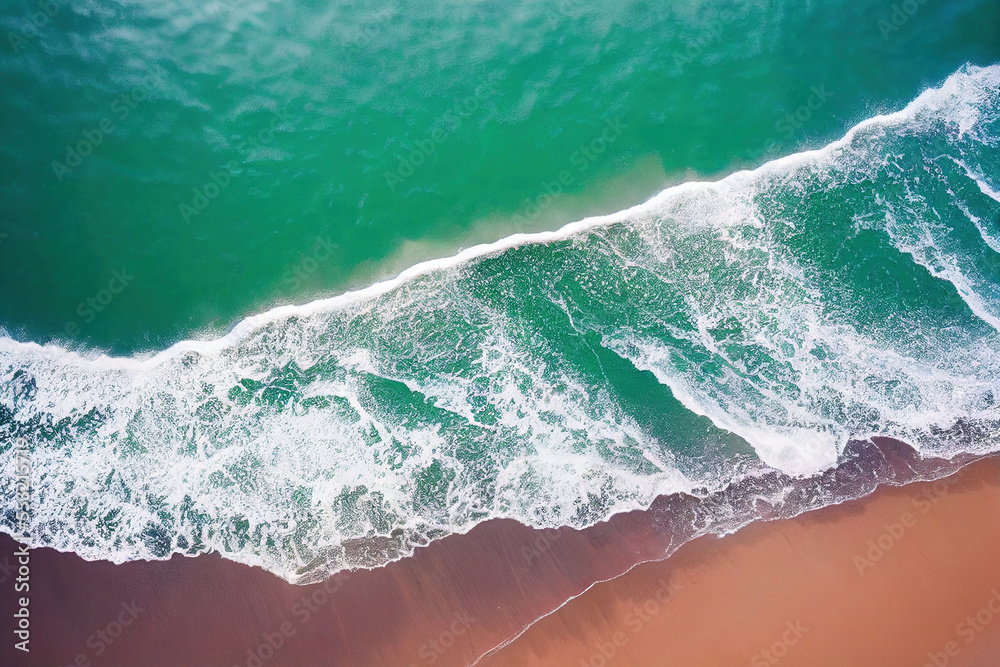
(308, 106)
(176, 175)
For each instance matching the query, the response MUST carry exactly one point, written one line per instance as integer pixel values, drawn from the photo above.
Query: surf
(716, 332)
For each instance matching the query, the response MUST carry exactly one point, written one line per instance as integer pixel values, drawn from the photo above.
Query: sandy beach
(793, 587)
(908, 576)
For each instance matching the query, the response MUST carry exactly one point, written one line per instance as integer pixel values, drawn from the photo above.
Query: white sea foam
(425, 404)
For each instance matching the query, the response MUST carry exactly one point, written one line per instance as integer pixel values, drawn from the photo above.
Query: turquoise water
(170, 170)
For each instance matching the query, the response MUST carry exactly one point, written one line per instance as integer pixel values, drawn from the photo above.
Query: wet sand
(464, 595)
(908, 577)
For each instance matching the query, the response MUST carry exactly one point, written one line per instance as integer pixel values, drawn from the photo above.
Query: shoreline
(449, 604)
(907, 576)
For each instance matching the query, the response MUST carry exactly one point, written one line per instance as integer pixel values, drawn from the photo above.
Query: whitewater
(716, 332)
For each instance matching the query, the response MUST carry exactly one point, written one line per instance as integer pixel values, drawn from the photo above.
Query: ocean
(313, 284)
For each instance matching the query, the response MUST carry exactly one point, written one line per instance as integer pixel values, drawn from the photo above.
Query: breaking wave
(716, 332)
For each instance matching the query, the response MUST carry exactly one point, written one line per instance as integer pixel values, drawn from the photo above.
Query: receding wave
(716, 332)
